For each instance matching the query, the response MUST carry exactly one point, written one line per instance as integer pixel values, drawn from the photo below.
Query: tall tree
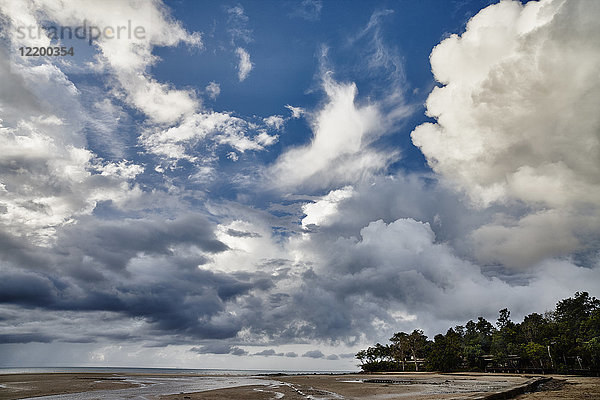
(503, 319)
(504, 337)
(571, 316)
(445, 354)
(400, 347)
(361, 355)
(416, 342)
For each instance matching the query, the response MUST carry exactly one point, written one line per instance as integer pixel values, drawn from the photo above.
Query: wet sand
(422, 386)
(412, 386)
(567, 387)
(116, 386)
(20, 386)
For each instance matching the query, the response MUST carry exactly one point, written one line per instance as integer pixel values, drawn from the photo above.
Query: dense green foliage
(565, 340)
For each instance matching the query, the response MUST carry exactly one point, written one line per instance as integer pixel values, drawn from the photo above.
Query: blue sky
(288, 44)
(272, 184)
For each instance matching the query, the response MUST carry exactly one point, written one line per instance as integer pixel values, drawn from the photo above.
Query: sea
(179, 371)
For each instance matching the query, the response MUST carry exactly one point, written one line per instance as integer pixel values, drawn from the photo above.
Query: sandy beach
(412, 386)
(422, 386)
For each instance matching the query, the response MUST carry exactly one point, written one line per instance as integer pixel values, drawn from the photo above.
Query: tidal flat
(422, 386)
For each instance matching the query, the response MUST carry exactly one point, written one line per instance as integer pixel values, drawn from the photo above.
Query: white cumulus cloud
(516, 120)
(317, 212)
(340, 149)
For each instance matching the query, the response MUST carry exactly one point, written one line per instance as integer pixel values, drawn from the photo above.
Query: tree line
(565, 340)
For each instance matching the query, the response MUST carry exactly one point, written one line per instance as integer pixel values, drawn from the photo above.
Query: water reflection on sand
(152, 387)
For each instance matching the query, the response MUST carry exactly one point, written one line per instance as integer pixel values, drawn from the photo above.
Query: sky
(278, 184)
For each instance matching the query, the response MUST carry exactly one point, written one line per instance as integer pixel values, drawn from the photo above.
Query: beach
(115, 386)
(15, 386)
(423, 386)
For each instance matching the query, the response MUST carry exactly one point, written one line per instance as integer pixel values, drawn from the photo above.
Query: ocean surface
(130, 370)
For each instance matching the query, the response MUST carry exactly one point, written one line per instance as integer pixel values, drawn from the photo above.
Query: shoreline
(556, 387)
(423, 386)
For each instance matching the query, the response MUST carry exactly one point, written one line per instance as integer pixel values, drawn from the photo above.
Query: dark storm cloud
(19, 252)
(266, 353)
(25, 338)
(260, 280)
(89, 269)
(213, 348)
(314, 354)
(237, 351)
(190, 306)
(26, 289)
(219, 348)
(186, 305)
(114, 243)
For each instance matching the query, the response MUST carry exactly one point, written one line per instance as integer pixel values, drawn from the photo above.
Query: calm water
(128, 370)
